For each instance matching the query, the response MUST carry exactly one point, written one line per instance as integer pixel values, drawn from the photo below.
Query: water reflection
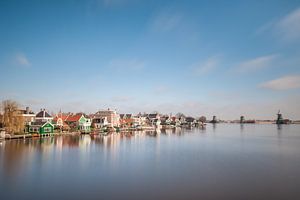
(191, 163)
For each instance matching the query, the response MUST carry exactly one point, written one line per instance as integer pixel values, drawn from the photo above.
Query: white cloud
(283, 83)
(204, 67)
(256, 63)
(21, 59)
(166, 21)
(124, 65)
(289, 26)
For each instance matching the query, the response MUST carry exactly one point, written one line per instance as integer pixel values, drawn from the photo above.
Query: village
(103, 122)
(24, 123)
(43, 123)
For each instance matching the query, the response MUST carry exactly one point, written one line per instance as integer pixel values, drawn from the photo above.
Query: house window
(47, 129)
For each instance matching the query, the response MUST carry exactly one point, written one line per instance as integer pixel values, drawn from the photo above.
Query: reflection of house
(40, 127)
(112, 117)
(27, 115)
(43, 116)
(79, 122)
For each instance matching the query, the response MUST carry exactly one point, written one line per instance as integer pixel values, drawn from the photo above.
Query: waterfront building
(165, 120)
(138, 121)
(43, 116)
(79, 122)
(28, 115)
(40, 127)
(154, 119)
(60, 121)
(126, 120)
(112, 117)
(190, 121)
(175, 121)
(182, 120)
(99, 121)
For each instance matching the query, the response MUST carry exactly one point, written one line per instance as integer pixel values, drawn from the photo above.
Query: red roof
(73, 118)
(62, 116)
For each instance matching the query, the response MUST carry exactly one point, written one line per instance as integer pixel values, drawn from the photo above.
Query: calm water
(222, 162)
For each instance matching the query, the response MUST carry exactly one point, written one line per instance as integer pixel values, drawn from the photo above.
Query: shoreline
(122, 130)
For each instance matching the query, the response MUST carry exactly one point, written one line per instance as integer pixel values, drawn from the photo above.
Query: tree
(12, 119)
(179, 115)
(202, 119)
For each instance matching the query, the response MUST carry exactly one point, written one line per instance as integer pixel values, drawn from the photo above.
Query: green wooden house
(40, 127)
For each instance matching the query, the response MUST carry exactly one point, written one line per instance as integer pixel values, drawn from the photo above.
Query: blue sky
(224, 58)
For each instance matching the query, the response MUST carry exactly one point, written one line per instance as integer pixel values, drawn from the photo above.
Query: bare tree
(13, 121)
(202, 119)
(179, 115)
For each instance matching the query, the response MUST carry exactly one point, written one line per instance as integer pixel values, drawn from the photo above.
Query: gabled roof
(152, 115)
(127, 116)
(62, 116)
(189, 119)
(43, 114)
(74, 118)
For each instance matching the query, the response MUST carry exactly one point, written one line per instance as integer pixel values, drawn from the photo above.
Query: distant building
(165, 120)
(214, 120)
(126, 120)
(154, 119)
(112, 117)
(190, 121)
(175, 121)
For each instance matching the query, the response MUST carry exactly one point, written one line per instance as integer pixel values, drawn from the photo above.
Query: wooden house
(79, 122)
(40, 127)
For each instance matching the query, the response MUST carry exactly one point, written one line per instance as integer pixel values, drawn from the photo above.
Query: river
(223, 161)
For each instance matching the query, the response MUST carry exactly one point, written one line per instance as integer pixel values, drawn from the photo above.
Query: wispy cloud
(166, 21)
(21, 60)
(125, 65)
(256, 64)
(204, 67)
(283, 83)
(287, 27)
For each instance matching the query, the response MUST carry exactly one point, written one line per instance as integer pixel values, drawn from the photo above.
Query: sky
(223, 58)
